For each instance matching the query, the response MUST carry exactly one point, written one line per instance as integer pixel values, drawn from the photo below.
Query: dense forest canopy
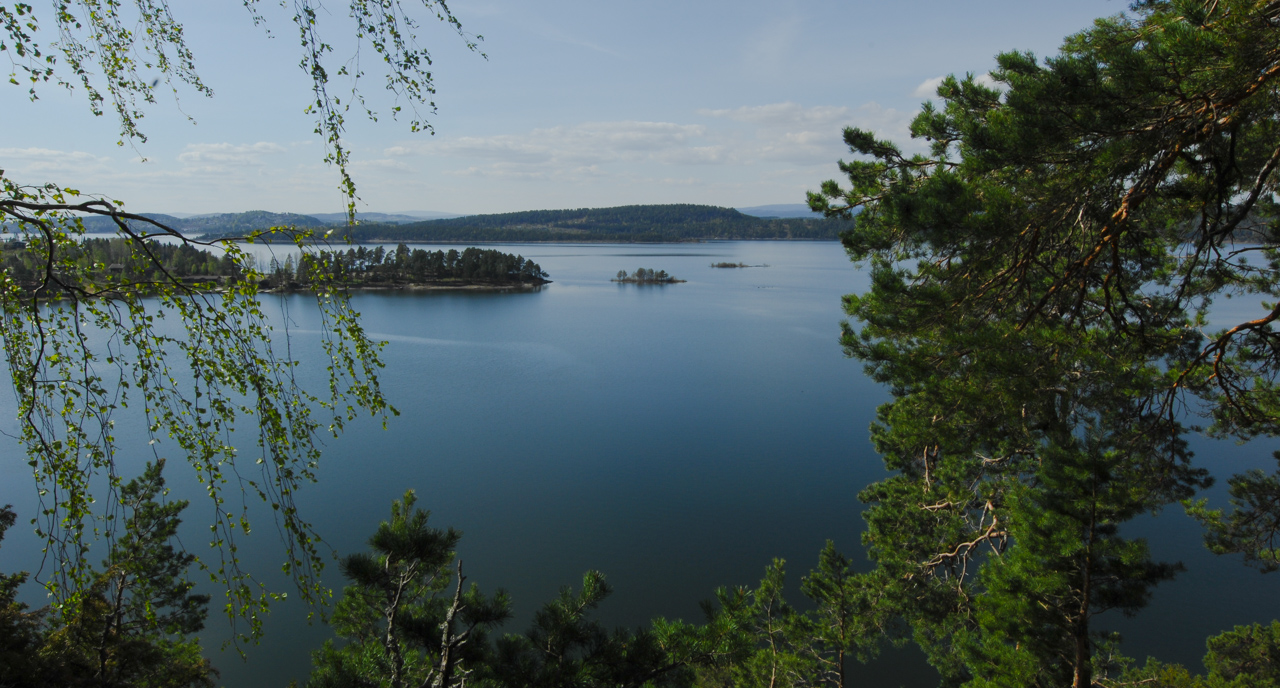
(403, 265)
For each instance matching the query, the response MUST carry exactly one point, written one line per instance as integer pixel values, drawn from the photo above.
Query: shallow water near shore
(676, 437)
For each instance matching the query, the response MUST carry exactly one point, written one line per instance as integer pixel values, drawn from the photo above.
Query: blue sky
(578, 104)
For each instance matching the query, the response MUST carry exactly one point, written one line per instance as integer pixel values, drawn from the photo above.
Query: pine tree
(21, 631)
(1040, 286)
(131, 627)
(402, 627)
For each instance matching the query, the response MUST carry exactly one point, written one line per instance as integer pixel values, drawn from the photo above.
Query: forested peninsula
(109, 261)
(624, 224)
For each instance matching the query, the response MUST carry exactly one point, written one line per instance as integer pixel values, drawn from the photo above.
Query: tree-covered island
(646, 276)
(412, 268)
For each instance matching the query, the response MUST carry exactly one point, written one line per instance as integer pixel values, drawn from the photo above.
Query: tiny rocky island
(646, 276)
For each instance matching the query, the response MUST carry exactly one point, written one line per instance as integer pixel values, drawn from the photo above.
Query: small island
(646, 276)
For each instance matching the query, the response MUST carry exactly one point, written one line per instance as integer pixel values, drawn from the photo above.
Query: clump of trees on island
(645, 276)
(111, 262)
(405, 266)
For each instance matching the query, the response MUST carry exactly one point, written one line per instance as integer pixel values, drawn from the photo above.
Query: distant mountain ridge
(633, 223)
(387, 218)
(224, 223)
(253, 220)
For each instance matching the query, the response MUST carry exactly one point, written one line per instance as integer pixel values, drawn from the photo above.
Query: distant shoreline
(672, 223)
(567, 242)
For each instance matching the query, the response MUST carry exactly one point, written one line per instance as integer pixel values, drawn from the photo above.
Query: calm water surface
(675, 437)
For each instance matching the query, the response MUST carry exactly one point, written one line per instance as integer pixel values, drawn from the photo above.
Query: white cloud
(989, 81)
(789, 132)
(784, 115)
(697, 155)
(46, 160)
(766, 136)
(589, 143)
(929, 87)
(380, 164)
(227, 156)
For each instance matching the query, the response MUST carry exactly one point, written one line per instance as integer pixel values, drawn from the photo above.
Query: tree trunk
(1083, 677)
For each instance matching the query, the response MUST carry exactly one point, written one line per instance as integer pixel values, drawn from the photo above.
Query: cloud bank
(762, 137)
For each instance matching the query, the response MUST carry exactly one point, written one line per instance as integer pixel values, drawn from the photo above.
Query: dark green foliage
(1034, 616)
(646, 276)
(847, 621)
(1245, 657)
(21, 631)
(564, 647)
(130, 627)
(1253, 526)
(403, 266)
(401, 627)
(775, 646)
(1040, 285)
(1248, 652)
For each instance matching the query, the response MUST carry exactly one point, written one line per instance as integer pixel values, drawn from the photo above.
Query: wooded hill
(635, 223)
(225, 223)
(632, 223)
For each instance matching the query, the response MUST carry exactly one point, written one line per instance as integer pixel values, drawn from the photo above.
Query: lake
(675, 437)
